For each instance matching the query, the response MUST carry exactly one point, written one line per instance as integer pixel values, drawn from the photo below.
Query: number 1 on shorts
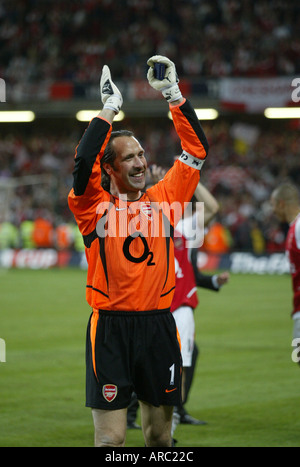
(172, 370)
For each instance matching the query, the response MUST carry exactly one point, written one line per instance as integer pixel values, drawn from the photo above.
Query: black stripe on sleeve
(167, 226)
(190, 114)
(89, 147)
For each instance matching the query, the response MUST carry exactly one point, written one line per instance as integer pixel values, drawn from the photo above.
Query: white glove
(169, 85)
(110, 94)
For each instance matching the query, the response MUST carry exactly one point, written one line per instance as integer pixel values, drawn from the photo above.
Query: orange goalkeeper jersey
(129, 245)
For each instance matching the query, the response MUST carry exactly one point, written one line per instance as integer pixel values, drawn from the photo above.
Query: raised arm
(189, 130)
(87, 191)
(181, 180)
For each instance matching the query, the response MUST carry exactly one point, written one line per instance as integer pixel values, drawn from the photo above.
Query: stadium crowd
(47, 41)
(244, 165)
(52, 41)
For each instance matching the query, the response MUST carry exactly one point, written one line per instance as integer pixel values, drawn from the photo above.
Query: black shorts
(132, 351)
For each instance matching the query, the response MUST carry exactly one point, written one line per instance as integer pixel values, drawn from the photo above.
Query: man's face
(128, 174)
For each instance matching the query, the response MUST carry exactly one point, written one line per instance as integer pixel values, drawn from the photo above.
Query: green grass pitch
(246, 386)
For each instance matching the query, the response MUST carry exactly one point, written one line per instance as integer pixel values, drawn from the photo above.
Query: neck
(128, 196)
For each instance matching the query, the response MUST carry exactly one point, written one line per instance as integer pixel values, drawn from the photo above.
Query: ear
(107, 167)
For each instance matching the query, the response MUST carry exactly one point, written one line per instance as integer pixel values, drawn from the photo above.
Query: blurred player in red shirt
(189, 236)
(285, 202)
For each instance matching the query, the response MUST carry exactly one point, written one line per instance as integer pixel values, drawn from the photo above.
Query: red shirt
(185, 285)
(293, 254)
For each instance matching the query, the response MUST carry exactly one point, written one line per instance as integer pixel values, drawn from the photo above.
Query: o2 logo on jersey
(147, 254)
(296, 351)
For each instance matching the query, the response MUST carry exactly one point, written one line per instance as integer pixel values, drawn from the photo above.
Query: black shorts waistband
(133, 313)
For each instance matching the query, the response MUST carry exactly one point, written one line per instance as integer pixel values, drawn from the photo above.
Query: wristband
(192, 161)
(114, 102)
(172, 93)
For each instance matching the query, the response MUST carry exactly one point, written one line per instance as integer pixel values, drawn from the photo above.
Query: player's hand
(169, 85)
(110, 94)
(223, 278)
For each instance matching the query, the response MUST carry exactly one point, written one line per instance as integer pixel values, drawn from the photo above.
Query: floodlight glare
(282, 112)
(87, 115)
(203, 114)
(16, 116)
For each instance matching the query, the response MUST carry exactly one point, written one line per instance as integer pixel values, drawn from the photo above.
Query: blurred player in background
(212, 282)
(132, 340)
(187, 279)
(185, 299)
(285, 202)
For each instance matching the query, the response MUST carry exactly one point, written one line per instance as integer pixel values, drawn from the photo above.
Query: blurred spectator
(26, 231)
(42, 233)
(9, 235)
(78, 240)
(217, 240)
(64, 236)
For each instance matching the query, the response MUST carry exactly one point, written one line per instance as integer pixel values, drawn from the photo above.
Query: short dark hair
(110, 155)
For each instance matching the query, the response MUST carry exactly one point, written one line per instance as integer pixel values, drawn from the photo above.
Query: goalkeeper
(132, 341)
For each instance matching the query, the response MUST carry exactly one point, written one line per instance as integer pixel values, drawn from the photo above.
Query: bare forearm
(211, 205)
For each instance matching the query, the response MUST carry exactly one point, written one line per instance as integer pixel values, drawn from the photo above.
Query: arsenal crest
(146, 209)
(109, 392)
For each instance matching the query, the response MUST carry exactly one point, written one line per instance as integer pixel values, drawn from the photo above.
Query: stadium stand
(207, 38)
(219, 41)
